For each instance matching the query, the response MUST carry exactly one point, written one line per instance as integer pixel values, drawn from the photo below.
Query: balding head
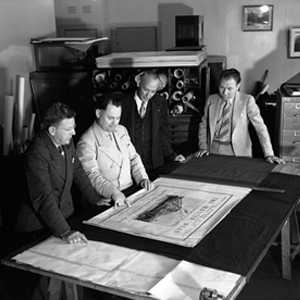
(148, 84)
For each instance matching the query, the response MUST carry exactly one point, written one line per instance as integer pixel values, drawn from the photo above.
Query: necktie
(143, 109)
(224, 130)
(61, 150)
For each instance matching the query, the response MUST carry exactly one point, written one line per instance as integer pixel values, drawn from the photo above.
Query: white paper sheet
(134, 272)
(176, 211)
(187, 280)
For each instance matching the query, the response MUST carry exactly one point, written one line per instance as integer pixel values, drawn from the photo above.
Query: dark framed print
(257, 17)
(294, 42)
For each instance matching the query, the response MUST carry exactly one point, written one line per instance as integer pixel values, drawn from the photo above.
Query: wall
(21, 20)
(251, 52)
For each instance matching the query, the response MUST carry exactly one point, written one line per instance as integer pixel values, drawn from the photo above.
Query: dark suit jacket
(49, 179)
(160, 138)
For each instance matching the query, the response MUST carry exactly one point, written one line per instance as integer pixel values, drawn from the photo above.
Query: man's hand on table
(120, 199)
(274, 159)
(201, 153)
(147, 184)
(73, 237)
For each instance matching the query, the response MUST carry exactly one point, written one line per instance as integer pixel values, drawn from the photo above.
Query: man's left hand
(179, 158)
(275, 159)
(147, 184)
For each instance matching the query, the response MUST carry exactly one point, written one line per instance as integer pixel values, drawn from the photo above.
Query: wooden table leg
(286, 251)
(73, 291)
(54, 288)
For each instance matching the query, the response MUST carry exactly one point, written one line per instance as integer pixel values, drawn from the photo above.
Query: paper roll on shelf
(177, 95)
(179, 84)
(177, 110)
(178, 73)
(8, 124)
(165, 94)
(125, 85)
(118, 77)
(113, 85)
(188, 96)
(100, 77)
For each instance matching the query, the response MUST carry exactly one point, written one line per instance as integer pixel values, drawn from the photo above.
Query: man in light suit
(50, 172)
(231, 137)
(108, 155)
(150, 133)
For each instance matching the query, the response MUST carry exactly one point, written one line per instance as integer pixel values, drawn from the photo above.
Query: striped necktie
(142, 111)
(224, 130)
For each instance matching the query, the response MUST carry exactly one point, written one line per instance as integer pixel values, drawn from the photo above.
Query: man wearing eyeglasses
(51, 166)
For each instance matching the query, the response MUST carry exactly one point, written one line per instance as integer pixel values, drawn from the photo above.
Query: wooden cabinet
(288, 127)
(187, 86)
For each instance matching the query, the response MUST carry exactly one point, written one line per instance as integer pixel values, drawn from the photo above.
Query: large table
(235, 246)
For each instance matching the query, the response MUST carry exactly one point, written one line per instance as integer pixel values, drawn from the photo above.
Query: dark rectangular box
(189, 30)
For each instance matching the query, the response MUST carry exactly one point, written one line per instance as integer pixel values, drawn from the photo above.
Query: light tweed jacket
(245, 109)
(109, 167)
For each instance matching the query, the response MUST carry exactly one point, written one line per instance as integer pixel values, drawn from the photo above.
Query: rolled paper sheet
(20, 108)
(165, 94)
(118, 77)
(25, 134)
(8, 124)
(187, 81)
(113, 85)
(177, 95)
(31, 126)
(100, 77)
(178, 73)
(177, 110)
(125, 85)
(179, 84)
(188, 96)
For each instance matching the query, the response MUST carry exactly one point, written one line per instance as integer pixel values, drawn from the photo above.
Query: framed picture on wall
(257, 18)
(294, 42)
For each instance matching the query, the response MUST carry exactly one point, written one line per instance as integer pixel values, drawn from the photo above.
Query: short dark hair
(102, 100)
(56, 113)
(231, 73)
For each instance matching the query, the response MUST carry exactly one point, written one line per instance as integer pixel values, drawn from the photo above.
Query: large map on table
(171, 213)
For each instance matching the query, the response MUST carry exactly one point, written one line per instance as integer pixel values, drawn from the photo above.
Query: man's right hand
(120, 199)
(201, 153)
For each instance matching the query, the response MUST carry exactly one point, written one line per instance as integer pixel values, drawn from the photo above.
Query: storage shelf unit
(187, 76)
(288, 127)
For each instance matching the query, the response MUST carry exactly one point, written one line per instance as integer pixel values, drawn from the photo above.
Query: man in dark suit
(51, 165)
(145, 115)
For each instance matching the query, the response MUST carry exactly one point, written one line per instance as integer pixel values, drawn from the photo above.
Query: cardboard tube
(178, 73)
(20, 108)
(8, 123)
(179, 84)
(177, 95)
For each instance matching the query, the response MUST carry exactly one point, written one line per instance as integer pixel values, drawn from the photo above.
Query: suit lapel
(57, 160)
(104, 145)
(214, 112)
(237, 110)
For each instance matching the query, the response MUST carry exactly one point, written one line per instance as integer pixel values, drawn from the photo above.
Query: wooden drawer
(291, 115)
